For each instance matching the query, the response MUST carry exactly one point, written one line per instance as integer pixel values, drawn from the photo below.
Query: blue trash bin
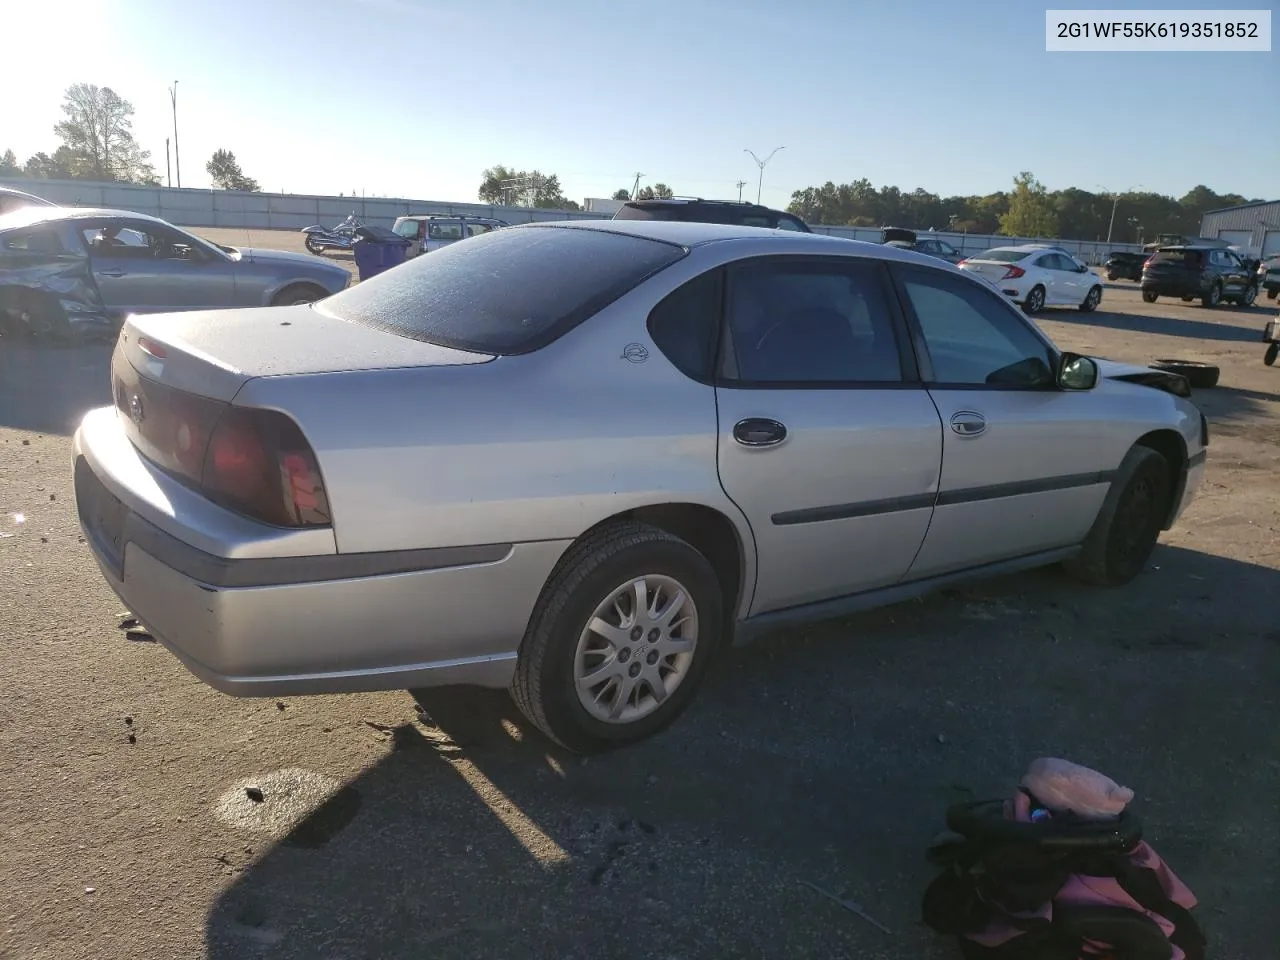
(378, 249)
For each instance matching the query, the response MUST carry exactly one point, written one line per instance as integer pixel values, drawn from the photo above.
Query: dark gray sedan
(69, 272)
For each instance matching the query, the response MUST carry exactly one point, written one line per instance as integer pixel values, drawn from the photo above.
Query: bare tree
(98, 132)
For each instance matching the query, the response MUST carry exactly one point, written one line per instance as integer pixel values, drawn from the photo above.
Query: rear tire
(1034, 301)
(313, 246)
(299, 293)
(1213, 297)
(553, 667)
(1123, 536)
(1272, 352)
(1149, 296)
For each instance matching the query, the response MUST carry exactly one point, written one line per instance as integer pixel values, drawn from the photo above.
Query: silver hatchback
(577, 460)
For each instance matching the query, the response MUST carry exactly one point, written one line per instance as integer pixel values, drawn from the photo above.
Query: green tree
(98, 131)
(63, 165)
(659, 191)
(622, 194)
(1031, 212)
(507, 186)
(224, 170)
(9, 165)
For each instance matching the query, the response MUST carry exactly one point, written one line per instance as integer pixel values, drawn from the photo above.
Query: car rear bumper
(324, 623)
(1173, 286)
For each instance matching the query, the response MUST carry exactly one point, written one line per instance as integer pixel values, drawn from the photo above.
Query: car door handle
(967, 423)
(759, 432)
(113, 272)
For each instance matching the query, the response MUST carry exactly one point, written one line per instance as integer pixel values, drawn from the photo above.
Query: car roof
(15, 192)
(34, 215)
(688, 233)
(1021, 248)
(448, 216)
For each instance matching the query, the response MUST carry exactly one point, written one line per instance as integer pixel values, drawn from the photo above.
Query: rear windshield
(1003, 256)
(506, 292)
(1176, 256)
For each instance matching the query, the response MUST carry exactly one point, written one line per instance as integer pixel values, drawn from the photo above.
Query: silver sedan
(65, 271)
(577, 460)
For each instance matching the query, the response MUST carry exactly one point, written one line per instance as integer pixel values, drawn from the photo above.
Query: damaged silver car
(72, 273)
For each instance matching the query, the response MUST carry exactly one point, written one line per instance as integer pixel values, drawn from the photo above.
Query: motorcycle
(342, 237)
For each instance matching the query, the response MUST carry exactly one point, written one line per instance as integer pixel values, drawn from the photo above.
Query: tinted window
(492, 295)
(137, 241)
(796, 322)
(791, 223)
(685, 323)
(475, 229)
(1003, 256)
(972, 337)
(449, 230)
(947, 248)
(649, 213)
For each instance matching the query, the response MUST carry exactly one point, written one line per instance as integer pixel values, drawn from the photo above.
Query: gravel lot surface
(441, 825)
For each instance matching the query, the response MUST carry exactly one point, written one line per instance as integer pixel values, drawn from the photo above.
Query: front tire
(1034, 301)
(1246, 299)
(620, 638)
(1149, 296)
(1124, 534)
(1091, 300)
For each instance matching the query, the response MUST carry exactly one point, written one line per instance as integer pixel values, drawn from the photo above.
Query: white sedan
(1035, 277)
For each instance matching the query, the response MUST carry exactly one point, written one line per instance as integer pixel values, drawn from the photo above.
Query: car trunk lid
(214, 353)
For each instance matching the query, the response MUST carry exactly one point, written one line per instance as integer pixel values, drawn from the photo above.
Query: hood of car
(259, 255)
(1164, 380)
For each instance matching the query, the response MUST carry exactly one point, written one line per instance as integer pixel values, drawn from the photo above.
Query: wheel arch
(276, 296)
(1171, 445)
(727, 545)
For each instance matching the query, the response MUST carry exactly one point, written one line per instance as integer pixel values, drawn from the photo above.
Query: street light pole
(173, 100)
(761, 164)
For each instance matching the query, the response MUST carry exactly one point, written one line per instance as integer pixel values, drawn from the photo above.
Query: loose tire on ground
(1269, 358)
(1121, 540)
(545, 686)
(1201, 376)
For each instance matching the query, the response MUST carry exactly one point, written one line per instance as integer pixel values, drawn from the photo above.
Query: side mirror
(1076, 372)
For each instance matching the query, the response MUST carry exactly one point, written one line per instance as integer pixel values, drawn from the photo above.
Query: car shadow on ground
(1229, 324)
(48, 388)
(828, 755)
(1255, 408)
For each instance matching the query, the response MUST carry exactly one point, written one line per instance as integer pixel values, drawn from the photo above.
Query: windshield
(490, 293)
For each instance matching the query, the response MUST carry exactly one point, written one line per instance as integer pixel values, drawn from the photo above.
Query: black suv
(1212, 274)
(697, 210)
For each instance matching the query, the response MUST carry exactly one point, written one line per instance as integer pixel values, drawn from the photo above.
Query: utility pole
(168, 172)
(761, 164)
(635, 187)
(173, 100)
(741, 184)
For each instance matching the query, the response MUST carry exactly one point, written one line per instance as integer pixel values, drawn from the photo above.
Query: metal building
(1253, 227)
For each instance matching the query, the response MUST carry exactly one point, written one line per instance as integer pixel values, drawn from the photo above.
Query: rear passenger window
(33, 241)
(804, 321)
(685, 323)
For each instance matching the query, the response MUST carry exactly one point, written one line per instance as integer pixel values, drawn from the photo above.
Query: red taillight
(1013, 273)
(960, 263)
(259, 463)
(152, 348)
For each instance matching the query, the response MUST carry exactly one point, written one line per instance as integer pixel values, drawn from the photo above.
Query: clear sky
(415, 98)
